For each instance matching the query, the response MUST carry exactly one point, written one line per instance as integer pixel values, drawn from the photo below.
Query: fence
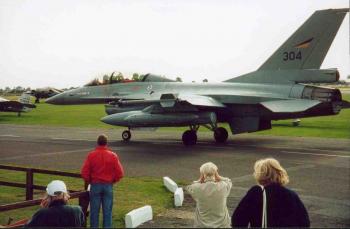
(30, 187)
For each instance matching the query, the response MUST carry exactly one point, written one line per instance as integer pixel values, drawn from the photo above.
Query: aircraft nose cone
(56, 99)
(116, 119)
(107, 119)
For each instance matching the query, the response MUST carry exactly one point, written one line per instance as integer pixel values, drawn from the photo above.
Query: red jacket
(102, 166)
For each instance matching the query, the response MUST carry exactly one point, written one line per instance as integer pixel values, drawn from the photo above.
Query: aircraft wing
(297, 105)
(200, 100)
(169, 100)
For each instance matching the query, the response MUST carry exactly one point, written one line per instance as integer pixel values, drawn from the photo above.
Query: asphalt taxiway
(319, 168)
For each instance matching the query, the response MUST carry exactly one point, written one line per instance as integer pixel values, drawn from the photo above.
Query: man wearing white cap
(55, 212)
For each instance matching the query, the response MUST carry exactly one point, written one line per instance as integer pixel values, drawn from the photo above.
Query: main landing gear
(220, 135)
(189, 137)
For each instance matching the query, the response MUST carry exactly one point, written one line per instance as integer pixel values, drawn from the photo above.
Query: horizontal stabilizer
(199, 100)
(282, 106)
(345, 104)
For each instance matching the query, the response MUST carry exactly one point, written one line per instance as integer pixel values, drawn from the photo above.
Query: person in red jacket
(101, 170)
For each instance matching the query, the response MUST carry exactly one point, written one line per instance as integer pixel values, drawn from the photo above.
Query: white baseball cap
(56, 186)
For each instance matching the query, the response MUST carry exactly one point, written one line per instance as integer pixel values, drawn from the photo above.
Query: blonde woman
(210, 193)
(283, 206)
(55, 211)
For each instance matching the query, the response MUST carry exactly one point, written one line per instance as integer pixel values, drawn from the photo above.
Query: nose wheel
(189, 137)
(126, 135)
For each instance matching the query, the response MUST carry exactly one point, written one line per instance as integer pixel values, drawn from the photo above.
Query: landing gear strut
(220, 133)
(126, 135)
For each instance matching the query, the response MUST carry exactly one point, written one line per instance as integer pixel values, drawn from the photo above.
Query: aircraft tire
(220, 135)
(189, 137)
(126, 135)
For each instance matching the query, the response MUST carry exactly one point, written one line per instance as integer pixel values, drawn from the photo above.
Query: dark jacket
(58, 214)
(284, 208)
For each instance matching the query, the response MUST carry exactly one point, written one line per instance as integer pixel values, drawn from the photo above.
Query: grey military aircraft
(43, 93)
(23, 105)
(281, 88)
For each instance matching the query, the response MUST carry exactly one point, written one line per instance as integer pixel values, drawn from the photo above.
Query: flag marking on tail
(304, 44)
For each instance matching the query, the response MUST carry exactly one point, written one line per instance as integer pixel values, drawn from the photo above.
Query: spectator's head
(102, 140)
(208, 170)
(268, 171)
(56, 190)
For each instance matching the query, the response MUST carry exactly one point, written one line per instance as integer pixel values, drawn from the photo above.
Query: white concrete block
(138, 216)
(178, 197)
(170, 184)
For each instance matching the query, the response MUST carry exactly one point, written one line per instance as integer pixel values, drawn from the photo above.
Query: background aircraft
(43, 93)
(248, 103)
(23, 105)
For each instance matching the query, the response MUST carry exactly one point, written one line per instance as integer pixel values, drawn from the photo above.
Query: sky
(65, 43)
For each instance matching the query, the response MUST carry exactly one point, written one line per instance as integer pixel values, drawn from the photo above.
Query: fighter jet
(279, 89)
(23, 105)
(44, 93)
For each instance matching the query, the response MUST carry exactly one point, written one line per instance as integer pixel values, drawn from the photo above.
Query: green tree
(120, 77)
(135, 77)
(105, 79)
(178, 79)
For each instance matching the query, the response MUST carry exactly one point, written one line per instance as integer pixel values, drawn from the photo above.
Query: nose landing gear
(126, 135)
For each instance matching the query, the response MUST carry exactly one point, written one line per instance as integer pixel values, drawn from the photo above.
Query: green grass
(51, 115)
(129, 194)
(88, 116)
(324, 127)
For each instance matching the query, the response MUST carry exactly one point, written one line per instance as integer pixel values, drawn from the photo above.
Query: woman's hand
(45, 202)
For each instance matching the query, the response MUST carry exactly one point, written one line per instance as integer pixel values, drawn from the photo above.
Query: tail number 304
(291, 56)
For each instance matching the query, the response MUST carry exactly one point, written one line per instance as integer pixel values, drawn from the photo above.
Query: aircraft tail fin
(308, 46)
(25, 98)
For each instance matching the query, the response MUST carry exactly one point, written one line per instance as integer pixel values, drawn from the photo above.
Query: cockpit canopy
(119, 78)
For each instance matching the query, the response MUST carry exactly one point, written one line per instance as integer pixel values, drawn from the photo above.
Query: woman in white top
(210, 193)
